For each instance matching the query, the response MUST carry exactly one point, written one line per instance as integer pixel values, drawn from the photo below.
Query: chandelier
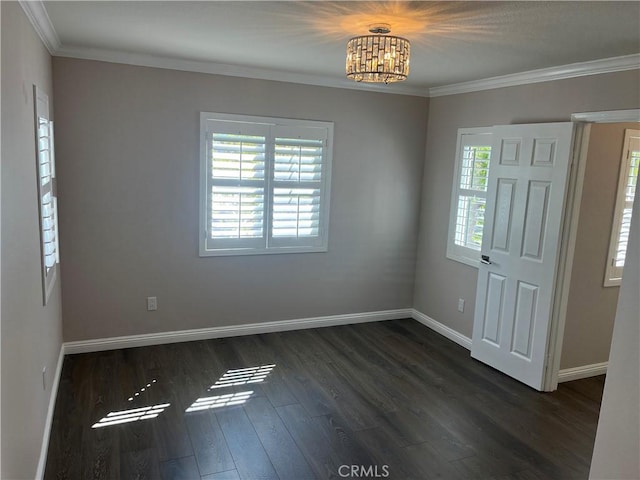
(378, 58)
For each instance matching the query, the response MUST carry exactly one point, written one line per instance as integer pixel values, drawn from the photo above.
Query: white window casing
(469, 194)
(47, 195)
(627, 183)
(265, 185)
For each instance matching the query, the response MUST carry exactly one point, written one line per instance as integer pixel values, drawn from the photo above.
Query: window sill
(612, 282)
(466, 260)
(236, 252)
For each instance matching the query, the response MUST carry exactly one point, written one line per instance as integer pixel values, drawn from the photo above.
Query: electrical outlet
(461, 304)
(44, 378)
(152, 303)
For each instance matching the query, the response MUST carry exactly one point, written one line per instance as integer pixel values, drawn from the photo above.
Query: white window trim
(613, 274)
(265, 246)
(466, 136)
(41, 110)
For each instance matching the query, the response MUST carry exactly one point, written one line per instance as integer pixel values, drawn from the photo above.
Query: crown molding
(37, 14)
(155, 61)
(594, 67)
(39, 18)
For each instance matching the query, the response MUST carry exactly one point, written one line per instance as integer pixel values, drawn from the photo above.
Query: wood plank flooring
(392, 399)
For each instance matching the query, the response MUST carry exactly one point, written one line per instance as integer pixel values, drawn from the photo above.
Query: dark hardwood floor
(393, 399)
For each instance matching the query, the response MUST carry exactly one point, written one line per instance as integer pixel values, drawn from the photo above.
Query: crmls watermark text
(363, 471)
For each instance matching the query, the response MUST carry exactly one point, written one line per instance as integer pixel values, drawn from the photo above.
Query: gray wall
(591, 308)
(31, 333)
(440, 281)
(127, 155)
(615, 454)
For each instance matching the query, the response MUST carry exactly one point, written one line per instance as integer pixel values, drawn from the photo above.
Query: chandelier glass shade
(378, 58)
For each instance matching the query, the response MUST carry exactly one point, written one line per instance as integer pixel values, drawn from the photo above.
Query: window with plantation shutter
(466, 224)
(265, 185)
(236, 163)
(47, 196)
(297, 186)
(628, 180)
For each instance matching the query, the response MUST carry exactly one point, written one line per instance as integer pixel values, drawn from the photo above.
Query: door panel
(544, 152)
(526, 302)
(523, 220)
(495, 298)
(535, 220)
(509, 152)
(504, 204)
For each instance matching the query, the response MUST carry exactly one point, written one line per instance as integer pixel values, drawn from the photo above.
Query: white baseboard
(443, 330)
(84, 346)
(585, 371)
(49, 420)
(565, 375)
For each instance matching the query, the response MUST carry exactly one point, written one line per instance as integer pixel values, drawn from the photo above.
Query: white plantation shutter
(297, 195)
(469, 196)
(629, 168)
(265, 185)
(237, 156)
(48, 202)
(299, 159)
(237, 212)
(631, 180)
(236, 164)
(296, 212)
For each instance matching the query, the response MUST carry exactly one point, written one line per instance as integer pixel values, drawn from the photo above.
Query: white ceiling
(451, 42)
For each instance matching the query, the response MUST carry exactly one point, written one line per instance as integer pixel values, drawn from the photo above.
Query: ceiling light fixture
(378, 58)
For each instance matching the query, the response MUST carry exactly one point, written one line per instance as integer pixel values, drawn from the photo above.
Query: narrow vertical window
(47, 196)
(628, 180)
(469, 196)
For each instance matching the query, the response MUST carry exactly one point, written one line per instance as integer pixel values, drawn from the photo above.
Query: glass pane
(49, 244)
(237, 212)
(45, 170)
(623, 237)
(43, 127)
(474, 173)
(296, 212)
(298, 160)
(625, 222)
(632, 177)
(470, 222)
(237, 157)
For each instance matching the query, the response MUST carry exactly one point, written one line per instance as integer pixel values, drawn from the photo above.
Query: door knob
(485, 259)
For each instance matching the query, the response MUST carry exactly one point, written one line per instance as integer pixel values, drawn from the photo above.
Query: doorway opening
(585, 309)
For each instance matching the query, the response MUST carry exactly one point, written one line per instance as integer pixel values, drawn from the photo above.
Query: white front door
(520, 247)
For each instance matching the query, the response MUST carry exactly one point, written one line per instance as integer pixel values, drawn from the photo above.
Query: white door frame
(583, 123)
